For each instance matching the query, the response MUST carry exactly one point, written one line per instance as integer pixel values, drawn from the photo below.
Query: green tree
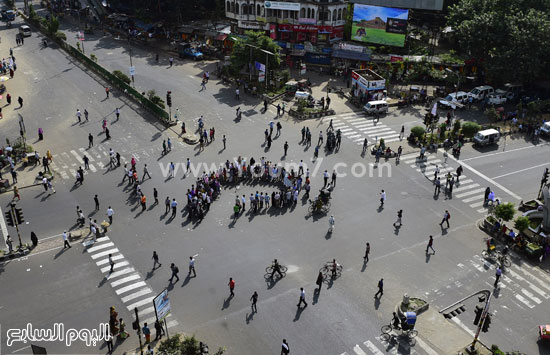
(505, 211)
(521, 223)
(418, 131)
(243, 53)
(53, 25)
(504, 34)
(470, 128)
(491, 114)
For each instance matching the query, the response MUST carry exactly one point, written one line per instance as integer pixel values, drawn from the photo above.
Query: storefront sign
(327, 50)
(281, 44)
(254, 25)
(285, 28)
(377, 84)
(325, 29)
(280, 5)
(351, 47)
(359, 80)
(298, 52)
(318, 58)
(259, 66)
(307, 21)
(261, 77)
(395, 58)
(298, 46)
(273, 31)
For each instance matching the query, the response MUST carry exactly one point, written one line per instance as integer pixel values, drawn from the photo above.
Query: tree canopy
(243, 52)
(511, 37)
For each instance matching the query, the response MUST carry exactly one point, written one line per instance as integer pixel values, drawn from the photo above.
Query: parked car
(8, 15)
(454, 100)
(486, 137)
(481, 92)
(496, 99)
(186, 50)
(545, 129)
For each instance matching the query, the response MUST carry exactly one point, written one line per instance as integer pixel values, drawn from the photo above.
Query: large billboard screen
(382, 25)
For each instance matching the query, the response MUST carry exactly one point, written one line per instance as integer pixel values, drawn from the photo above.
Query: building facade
(305, 29)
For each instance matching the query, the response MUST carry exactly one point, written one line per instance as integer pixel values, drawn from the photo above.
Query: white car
(496, 99)
(454, 100)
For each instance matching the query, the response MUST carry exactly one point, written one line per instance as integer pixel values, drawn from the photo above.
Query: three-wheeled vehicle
(544, 332)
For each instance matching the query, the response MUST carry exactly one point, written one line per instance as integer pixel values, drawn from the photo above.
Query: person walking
(333, 181)
(167, 204)
(9, 243)
(325, 178)
(174, 206)
(110, 213)
(380, 289)
(399, 216)
(231, 285)
(498, 273)
(382, 198)
(143, 201)
(8, 99)
(320, 141)
(117, 113)
(331, 224)
(66, 240)
(254, 300)
(156, 195)
(175, 272)
(285, 147)
(436, 172)
(302, 298)
(111, 262)
(159, 331)
(458, 173)
(156, 260)
(147, 333)
(430, 245)
(437, 186)
(90, 140)
(319, 281)
(171, 60)
(107, 92)
(446, 217)
(224, 141)
(86, 162)
(367, 252)
(85, 115)
(20, 100)
(16, 194)
(285, 349)
(145, 172)
(192, 266)
(78, 115)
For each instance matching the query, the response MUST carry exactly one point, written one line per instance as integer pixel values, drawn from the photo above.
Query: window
(228, 7)
(312, 13)
(340, 14)
(285, 13)
(344, 14)
(308, 13)
(233, 7)
(244, 9)
(251, 9)
(237, 9)
(334, 15)
(258, 10)
(302, 12)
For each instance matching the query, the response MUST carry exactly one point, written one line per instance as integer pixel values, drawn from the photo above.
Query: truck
(186, 50)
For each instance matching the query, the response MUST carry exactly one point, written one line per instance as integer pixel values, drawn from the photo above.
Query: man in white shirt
(302, 298)
(110, 213)
(192, 266)
(174, 205)
(66, 240)
(382, 198)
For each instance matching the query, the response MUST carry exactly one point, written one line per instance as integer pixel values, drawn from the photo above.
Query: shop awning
(221, 37)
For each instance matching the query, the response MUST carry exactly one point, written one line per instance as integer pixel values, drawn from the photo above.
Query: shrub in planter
(60, 36)
(456, 126)
(521, 223)
(418, 131)
(121, 76)
(470, 128)
(505, 211)
(93, 57)
(491, 114)
(152, 95)
(171, 345)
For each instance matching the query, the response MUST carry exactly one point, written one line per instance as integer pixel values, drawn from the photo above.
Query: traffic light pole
(488, 294)
(482, 321)
(138, 330)
(12, 211)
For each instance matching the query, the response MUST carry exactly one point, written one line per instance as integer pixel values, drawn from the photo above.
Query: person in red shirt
(231, 286)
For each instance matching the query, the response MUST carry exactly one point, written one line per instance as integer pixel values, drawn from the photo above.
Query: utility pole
(138, 330)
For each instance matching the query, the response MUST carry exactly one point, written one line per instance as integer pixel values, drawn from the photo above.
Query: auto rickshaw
(291, 87)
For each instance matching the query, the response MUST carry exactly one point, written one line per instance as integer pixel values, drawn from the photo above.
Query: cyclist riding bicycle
(396, 322)
(276, 268)
(334, 268)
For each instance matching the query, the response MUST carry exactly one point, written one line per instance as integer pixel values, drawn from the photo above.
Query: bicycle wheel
(386, 329)
(385, 337)
(311, 209)
(283, 269)
(269, 269)
(325, 270)
(412, 333)
(506, 261)
(484, 254)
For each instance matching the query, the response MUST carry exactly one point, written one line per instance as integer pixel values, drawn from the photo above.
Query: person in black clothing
(159, 330)
(380, 289)
(276, 269)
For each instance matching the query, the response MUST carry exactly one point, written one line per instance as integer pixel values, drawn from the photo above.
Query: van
(486, 137)
(372, 107)
(545, 129)
(25, 31)
(481, 92)
(454, 100)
